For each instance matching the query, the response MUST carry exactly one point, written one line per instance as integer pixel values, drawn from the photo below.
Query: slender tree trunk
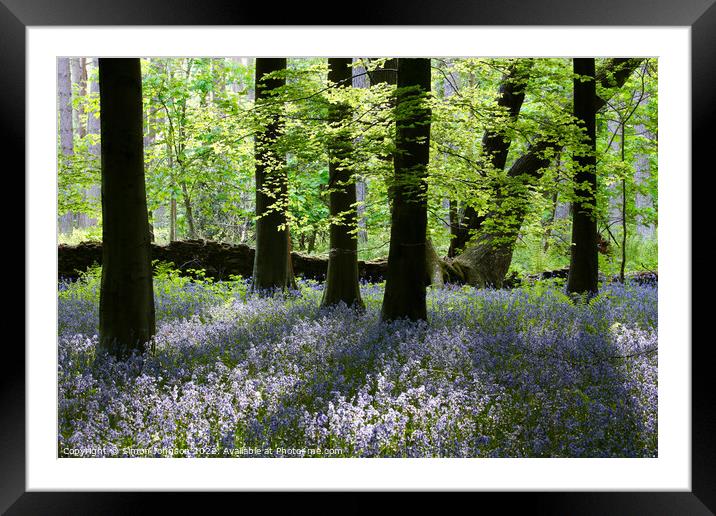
(624, 211)
(584, 263)
(289, 265)
(312, 241)
(454, 218)
(361, 80)
(486, 260)
(173, 219)
(79, 80)
(191, 227)
(64, 89)
(148, 141)
(361, 198)
(552, 218)
(405, 282)
(126, 311)
(271, 259)
(172, 198)
(342, 275)
(93, 127)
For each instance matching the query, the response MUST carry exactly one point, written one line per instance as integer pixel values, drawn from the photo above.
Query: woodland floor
(495, 373)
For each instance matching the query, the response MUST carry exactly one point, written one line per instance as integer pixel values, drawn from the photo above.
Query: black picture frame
(700, 15)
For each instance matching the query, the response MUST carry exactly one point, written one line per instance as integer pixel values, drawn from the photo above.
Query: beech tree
(584, 263)
(271, 260)
(495, 143)
(405, 282)
(342, 275)
(126, 307)
(497, 126)
(486, 258)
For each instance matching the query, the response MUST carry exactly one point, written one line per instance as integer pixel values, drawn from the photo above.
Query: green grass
(529, 256)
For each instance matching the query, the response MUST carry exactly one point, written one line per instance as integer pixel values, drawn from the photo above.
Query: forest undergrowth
(525, 372)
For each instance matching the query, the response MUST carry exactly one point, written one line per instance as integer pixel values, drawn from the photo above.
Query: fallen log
(218, 260)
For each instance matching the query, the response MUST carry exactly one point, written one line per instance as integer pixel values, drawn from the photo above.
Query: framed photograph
(670, 45)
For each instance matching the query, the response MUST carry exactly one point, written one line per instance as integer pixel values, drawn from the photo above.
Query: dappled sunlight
(496, 373)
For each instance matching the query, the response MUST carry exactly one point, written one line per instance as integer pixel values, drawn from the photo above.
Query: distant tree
(361, 80)
(126, 309)
(405, 282)
(79, 81)
(64, 100)
(93, 127)
(271, 263)
(584, 261)
(342, 276)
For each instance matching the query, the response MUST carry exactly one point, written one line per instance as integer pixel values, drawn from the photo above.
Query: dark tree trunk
(386, 74)
(150, 221)
(271, 269)
(126, 311)
(584, 263)
(342, 275)
(405, 283)
(622, 267)
(455, 227)
(490, 253)
(289, 265)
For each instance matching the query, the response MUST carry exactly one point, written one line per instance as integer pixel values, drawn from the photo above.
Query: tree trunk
(405, 283)
(312, 241)
(624, 209)
(289, 265)
(342, 275)
(490, 252)
(191, 227)
(173, 219)
(385, 74)
(361, 80)
(552, 219)
(79, 78)
(495, 144)
(126, 311)
(455, 230)
(584, 263)
(172, 197)
(436, 270)
(64, 90)
(271, 269)
(361, 198)
(93, 127)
